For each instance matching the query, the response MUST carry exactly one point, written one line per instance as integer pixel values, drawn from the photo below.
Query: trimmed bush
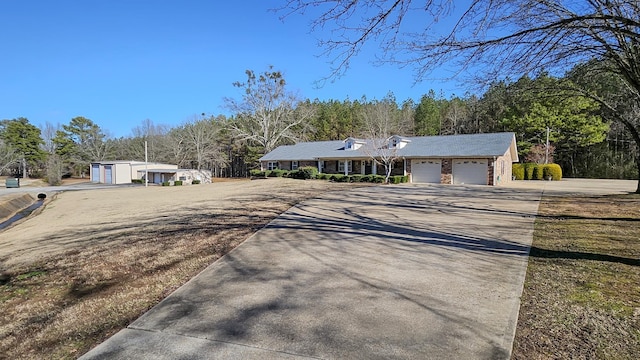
(195, 182)
(137, 181)
(322, 176)
(277, 173)
(528, 170)
(355, 178)
(257, 173)
(177, 183)
(305, 173)
(378, 179)
(166, 183)
(553, 171)
(517, 171)
(538, 172)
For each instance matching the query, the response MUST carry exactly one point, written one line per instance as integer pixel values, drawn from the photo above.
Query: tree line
(582, 138)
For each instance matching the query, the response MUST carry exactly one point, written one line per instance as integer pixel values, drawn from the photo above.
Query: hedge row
(532, 171)
(310, 172)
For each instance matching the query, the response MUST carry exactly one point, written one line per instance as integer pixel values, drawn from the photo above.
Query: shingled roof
(447, 146)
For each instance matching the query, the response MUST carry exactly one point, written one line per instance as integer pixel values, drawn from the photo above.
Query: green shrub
(378, 179)
(355, 178)
(553, 171)
(166, 183)
(538, 172)
(305, 173)
(257, 173)
(137, 181)
(322, 176)
(337, 177)
(195, 182)
(517, 171)
(177, 183)
(277, 173)
(528, 170)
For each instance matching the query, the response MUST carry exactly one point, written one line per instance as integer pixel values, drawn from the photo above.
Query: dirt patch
(581, 295)
(93, 261)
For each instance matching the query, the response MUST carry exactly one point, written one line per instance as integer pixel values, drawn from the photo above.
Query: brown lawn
(93, 261)
(581, 297)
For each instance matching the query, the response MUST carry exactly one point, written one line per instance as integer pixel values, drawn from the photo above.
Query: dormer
(398, 142)
(352, 143)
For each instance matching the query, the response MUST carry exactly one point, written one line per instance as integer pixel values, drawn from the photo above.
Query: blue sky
(119, 62)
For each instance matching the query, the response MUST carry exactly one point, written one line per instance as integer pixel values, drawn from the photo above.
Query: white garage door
(425, 171)
(470, 172)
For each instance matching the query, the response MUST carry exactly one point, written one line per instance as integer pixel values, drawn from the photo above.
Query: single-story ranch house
(483, 159)
(123, 172)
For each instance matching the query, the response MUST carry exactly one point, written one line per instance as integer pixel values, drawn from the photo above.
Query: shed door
(107, 175)
(473, 172)
(95, 173)
(425, 171)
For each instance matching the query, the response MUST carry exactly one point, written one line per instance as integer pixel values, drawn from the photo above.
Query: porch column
(346, 167)
(404, 165)
(374, 167)
(363, 164)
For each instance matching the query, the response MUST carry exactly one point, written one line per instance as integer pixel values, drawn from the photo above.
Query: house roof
(447, 146)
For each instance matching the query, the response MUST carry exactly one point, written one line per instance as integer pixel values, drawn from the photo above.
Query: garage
(473, 172)
(425, 171)
(108, 175)
(95, 173)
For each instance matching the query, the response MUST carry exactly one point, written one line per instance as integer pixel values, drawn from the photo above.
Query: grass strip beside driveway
(581, 296)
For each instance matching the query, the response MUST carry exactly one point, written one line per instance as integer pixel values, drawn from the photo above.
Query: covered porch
(360, 167)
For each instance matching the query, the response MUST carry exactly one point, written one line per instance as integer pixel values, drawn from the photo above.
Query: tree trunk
(638, 165)
(636, 138)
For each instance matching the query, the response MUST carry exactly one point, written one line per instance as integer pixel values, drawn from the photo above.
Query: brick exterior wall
(499, 171)
(503, 169)
(446, 176)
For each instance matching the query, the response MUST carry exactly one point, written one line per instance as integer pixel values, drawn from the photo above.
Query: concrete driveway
(411, 272)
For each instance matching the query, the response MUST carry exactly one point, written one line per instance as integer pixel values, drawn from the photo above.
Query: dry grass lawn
(581, 298)
(93, 261)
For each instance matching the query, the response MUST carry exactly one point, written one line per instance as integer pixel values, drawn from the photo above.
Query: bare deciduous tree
(201, 139)
(8, 157)
(382, 119)
(268, 115)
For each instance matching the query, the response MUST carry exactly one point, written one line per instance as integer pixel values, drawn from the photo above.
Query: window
(348, 145)
(341, 166)
(294, 165)
(272, 165)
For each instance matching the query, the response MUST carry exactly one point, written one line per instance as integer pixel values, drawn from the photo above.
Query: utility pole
(146, 166)
(546, 155)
